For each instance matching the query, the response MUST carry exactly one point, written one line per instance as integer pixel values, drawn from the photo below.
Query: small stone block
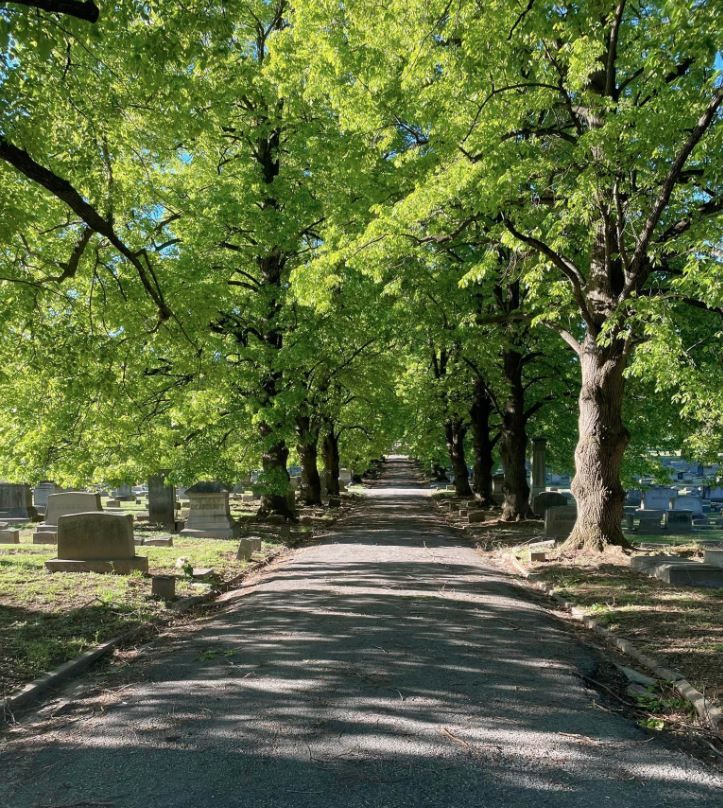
(475, 517)
(163, 586)
(714, 557)
(112, 503)
(161, 541)
(45, 537)
(8, 536)
(247, 547)
(538, 556)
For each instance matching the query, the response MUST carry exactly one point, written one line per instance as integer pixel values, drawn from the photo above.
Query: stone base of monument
(679, 571)
(714, 557)
(46, 535)
(161, 541)
(247, 547)
(119, 566)
(8, 536)
(96, 542)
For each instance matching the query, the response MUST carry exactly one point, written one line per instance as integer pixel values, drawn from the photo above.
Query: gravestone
(41, 492)
(713, 556)
(247, 547)
(547, 499)
(634, 498)
(61, 505)
(210, 514)
(657, 499)
(498, 483)
(685, 502)
(678, 521)
(96, 542)
(161, 502)
(9, 536)
(559, 521)
(16, 502)
(124, 493)
(649, 521)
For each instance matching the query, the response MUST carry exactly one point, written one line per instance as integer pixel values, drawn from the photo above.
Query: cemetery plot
(47, 619)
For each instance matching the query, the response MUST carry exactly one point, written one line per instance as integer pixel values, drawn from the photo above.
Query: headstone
(657, 499)
(9, 536)
(649, 521)
(163, 587)
(345, 476)
(678, 521)
(161, 502)
(112, 503)
(713, 556)
(547, 499)
(475, 517)
(16, 502)
(537, 483)
(684, 502)
(498, 482)
(559, 521)
(247, 547)
(41, 492)
(634, 498)
(61, 505)
(96, 542)
(210, 514)
(124, 493)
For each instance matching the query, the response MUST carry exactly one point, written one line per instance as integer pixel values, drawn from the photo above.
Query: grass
(47, 619)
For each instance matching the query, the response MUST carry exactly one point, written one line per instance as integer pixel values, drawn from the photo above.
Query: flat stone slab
(45, 537)
(161, 541)
(120, 566)
(220, 533)
(679, 571)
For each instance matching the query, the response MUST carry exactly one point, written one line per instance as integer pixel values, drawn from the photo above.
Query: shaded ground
(681, 626)
(384, 667)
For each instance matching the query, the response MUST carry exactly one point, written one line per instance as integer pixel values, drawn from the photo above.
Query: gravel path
(384, 667)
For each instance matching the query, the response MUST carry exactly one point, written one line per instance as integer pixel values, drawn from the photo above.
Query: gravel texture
(386, 667)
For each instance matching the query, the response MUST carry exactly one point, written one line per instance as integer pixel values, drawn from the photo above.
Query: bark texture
(331, 462)
(455, 432)
(483, 443)
(600, 449)
(513, 441)
(308, 454)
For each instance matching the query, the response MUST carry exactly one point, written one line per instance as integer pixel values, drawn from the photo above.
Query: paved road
(385, 667)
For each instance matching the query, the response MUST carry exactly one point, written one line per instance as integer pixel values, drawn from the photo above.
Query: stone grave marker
(678, 521)
(96, 542)
(559, 521)
(9, 536)
(161, 502)
(209, 515)
(657, 499)
(686, 502)
(41, 492)
(16, 503)
(247, 547)
(649, 521)
(547, 499)
(124, 493)
(68, 502)
(679, 571)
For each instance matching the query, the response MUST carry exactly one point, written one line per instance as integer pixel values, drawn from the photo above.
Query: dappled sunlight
(404, 675)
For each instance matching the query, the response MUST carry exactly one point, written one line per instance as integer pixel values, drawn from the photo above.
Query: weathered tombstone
(161, 502)
(247, 547)
(559, 521)
(634, 498)
(9, 536)
(96, 542)
(498, 482)
(657, 499)
(16, 502)
(537, 485)
(649, 521)
(713, 556)
(678, 521)
(210, 514)
(41, 492)
(68, 502)
(124, 493)
(679, 571)
(686, 502)
(112, 503)
(547, 499)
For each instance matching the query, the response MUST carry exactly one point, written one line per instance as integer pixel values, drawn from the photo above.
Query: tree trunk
(513, 443)
(455, 431)
(308, 453)
(601, 444)
(483, 461)
(276, 497)
(331, 462)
